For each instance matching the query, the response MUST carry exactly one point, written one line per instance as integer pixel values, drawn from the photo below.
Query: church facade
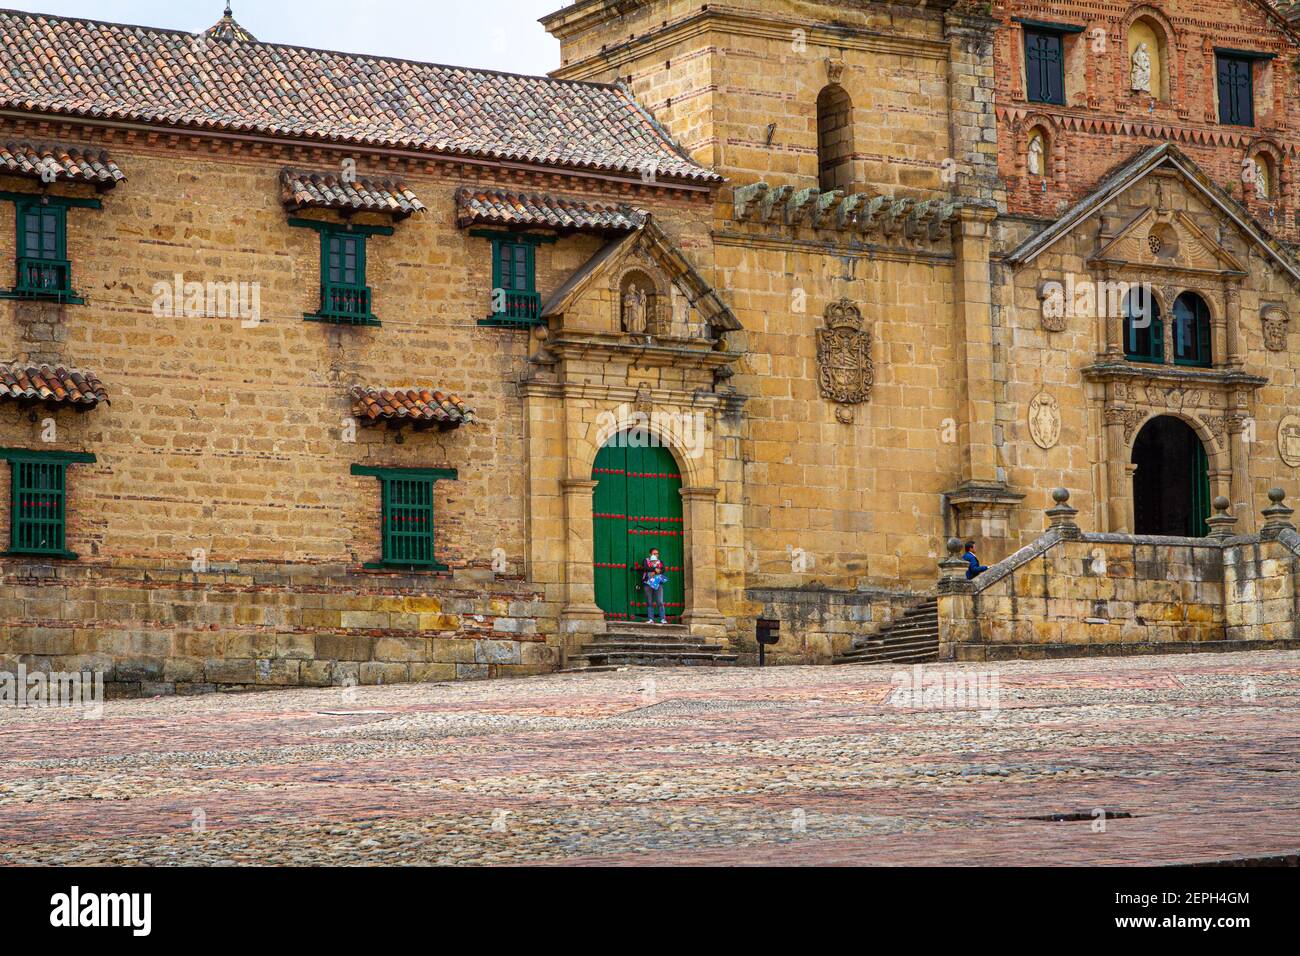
(322, 368)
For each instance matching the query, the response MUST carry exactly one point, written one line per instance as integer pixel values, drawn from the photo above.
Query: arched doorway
(1171, 486)
(637, 505)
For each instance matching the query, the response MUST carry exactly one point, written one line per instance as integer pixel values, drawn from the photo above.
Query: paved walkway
(787, 765)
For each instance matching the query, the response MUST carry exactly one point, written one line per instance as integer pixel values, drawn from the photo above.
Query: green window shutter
(345, 298)
(43, 267)
(516, 302)
(38, 485)
(1144, 344)
(407, 515)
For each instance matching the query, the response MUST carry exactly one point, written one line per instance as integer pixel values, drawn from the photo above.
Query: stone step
(607, 661)
(643, 629)
(888, 656)
(927, 633)
(638, 647)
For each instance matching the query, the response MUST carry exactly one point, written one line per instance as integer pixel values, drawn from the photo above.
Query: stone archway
(1171, 480)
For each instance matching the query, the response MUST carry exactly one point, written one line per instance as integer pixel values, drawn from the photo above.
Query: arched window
(1191, 330)
(1144, 329)
(835, 138)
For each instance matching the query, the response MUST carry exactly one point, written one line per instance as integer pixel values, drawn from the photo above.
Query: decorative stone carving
(644, 401)
(1130, 418)
(844, 357)
(1288, 440)
(834, 71)
(1276, 326)
(1045, 420)
(1052, 307)
(1141, 74)
(1218, 426)
(1261, 176)
(634, 310)
(1037, 158)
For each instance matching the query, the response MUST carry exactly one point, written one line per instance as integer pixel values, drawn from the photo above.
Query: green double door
(637, 506)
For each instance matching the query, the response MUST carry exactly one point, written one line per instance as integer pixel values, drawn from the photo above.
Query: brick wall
(1104, 122)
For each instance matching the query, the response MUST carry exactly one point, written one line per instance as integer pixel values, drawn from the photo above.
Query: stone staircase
(912, 639)
(647, 645)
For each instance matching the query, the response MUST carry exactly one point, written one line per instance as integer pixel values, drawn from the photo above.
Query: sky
(490, 34)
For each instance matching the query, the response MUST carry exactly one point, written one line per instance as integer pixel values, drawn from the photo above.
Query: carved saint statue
(1037, 159)
(1141, 69)
(635, 304)
(1261, 179)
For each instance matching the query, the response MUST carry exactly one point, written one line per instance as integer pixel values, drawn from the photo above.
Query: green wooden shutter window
(38, 500)
(406, 515)
(516, 302)
(43, 266)
(345, 297)
(39, 507)
(1144, 344)
(1192, 331)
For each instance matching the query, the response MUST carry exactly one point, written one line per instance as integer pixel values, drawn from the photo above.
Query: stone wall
(1262, 589)
(1074, 594)
(161, 630)
(817, 624)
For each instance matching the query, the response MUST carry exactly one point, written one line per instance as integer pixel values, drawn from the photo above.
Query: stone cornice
(658, 351)
(1172, 375)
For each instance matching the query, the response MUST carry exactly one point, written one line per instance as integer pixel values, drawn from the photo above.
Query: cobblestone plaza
(1191, 759)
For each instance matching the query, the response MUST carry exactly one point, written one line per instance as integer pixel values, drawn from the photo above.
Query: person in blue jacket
(975, 569)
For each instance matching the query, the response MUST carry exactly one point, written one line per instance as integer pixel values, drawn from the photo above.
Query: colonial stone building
(319, 367)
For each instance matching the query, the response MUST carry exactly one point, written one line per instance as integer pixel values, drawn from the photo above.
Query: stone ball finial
(1276, 495)
(1061, 495)
(1222, 504)
(955, 546)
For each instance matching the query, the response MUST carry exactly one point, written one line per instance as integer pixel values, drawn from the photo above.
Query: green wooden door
(1198, 525)
(637, 506)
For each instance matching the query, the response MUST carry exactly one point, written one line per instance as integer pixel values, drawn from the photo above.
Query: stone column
(700, 507)
(1239, 449)
(975, 345)
(1119, 477)
(580, 616)
(1229, 338)
(956, 600)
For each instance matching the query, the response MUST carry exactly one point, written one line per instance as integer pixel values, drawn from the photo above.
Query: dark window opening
(1236, 91)
(1192, 331)
(1045, 66)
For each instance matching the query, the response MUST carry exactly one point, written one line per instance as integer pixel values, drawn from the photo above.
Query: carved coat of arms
(1276, 322)
(1045, 420)
(844, 358)
(1288, 440)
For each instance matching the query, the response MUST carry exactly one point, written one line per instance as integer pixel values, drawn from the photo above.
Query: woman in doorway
(653, 580)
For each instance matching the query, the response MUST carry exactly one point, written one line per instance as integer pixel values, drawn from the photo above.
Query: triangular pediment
(651, 253)
(1167, 240)
(1193, 249)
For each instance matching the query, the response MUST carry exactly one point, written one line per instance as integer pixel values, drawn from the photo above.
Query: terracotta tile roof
(529, 209)
(54, 385)
(311, 190)
(144, 74)
(68, 163)
(417, 405)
